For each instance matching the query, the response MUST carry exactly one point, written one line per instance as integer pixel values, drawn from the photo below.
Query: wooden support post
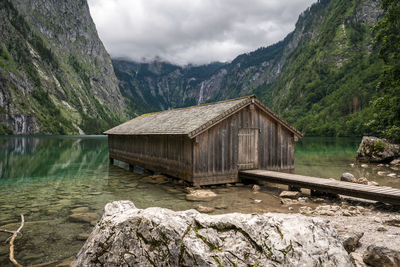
(147, 171)
(111, 160)
(315, 193)
(294, 188)
(131, 167)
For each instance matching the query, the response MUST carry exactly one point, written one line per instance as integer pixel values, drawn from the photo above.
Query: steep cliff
(322, 77)
(55, 75)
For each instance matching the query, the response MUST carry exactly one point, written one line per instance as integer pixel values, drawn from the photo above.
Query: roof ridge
(222, 115)
(201, 105)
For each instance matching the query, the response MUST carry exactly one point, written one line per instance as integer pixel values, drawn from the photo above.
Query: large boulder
(127, 236)
(373, 149)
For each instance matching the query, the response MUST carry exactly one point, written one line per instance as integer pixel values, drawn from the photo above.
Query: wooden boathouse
(206, 144)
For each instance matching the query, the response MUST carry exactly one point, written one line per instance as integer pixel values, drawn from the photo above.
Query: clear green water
(46, 178)
(329, 157)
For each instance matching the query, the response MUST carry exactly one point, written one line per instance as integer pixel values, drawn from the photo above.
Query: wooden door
(248, 148)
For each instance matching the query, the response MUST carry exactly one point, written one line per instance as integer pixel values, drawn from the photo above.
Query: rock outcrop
(160, 237)
(55, 74)
(373, 149)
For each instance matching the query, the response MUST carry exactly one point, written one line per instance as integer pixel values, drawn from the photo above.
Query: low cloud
(192, 31)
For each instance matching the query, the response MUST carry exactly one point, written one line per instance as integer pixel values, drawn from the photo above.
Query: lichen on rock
(373, 149)
(160, 237)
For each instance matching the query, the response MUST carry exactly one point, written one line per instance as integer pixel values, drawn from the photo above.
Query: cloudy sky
(192, 31)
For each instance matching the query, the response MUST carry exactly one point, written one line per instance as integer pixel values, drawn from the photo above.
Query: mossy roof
(189, 121)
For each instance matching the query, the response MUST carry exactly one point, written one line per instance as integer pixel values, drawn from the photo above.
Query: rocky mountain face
(321, 77)
(160, 85)
(55, 75)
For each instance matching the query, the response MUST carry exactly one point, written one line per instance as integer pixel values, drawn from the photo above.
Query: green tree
(387, 40)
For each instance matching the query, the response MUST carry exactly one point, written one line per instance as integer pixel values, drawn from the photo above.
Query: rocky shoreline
(361, 232)
(366, 229)
(376, 224)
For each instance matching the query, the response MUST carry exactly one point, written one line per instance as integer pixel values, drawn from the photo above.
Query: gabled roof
(191, 121)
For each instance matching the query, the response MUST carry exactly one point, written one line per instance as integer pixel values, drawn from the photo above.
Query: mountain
(160, 85)
(56, 77)
(55, 74)
(322, 77)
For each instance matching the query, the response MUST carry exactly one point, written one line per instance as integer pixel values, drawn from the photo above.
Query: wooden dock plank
(383, 194)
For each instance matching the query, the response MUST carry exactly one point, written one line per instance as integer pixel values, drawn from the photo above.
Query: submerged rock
(156, 179)
(66, 262)
(255, 188)
(373, 183)
(290, 194)
(82, 236)
(80, 210)
(87, 217)
(201, 195)
(395, 162)
(221, 207)
(161, 237)
(204, 209)
(362, 180)
(381, 257)
(348, 177)
(373, 149)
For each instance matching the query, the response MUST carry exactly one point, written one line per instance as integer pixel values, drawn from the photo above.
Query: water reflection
(50, 178)
(26, 156)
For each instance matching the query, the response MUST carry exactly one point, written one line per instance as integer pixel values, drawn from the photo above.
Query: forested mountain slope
(329, 80)
(322, 77)
(55, 75)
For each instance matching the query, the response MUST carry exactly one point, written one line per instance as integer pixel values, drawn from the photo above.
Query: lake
(49, 178)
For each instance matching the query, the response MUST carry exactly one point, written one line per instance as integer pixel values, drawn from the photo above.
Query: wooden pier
(378, 193)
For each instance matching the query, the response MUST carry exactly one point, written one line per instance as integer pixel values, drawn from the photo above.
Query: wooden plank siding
(169, 154)
(215, 151)
(212, 155)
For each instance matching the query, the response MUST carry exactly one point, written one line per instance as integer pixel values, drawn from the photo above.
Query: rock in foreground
(160, 237)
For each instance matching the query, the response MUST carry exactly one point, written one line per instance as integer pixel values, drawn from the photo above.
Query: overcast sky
(192, 31)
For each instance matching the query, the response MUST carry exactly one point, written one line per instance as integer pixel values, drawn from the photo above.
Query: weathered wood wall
(212, 156)
(169, 154)
(215, 154)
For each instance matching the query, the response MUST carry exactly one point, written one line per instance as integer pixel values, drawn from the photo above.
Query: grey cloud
(192, 31)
